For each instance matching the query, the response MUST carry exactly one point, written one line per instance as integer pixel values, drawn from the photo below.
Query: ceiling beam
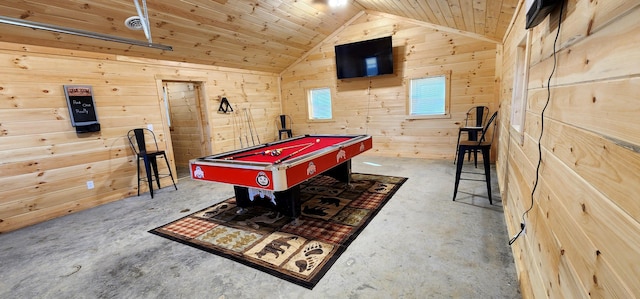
(83, 33)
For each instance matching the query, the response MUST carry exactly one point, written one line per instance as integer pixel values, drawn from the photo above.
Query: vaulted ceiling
(261, 35)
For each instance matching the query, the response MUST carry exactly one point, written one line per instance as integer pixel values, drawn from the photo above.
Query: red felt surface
(291, 147)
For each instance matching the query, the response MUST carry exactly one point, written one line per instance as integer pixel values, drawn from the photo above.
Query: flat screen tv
(365, 59)
(537, 11)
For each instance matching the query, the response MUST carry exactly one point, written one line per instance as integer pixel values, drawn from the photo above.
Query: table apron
(277, 177)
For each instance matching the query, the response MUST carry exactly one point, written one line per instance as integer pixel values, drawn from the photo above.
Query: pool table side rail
(218, 159)
(244, 173)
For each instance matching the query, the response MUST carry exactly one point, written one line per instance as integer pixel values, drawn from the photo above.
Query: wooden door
(186, 122)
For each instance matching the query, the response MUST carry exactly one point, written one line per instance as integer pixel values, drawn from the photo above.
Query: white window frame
(519, 92)
(310, 105)
(447, 95)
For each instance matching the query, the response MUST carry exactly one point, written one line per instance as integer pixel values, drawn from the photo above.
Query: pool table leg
(290, 202)
(341, 172)
(287, 202)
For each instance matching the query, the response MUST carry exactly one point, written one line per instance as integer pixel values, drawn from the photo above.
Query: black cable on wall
(535, 185)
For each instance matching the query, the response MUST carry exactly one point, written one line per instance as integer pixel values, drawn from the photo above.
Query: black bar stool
(472, 127)
(285, 126)
(138, 144)
(482, 146)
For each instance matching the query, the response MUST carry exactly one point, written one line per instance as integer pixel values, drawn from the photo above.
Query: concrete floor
(420, 245)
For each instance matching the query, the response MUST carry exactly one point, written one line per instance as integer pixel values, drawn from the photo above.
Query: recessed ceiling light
(334, 3)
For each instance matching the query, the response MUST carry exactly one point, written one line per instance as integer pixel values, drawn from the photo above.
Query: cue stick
(254, 127)
(246, 113)
(296, 145)
(268, 151)
(294, 153)
(236, 129)
(244, 127)
(238, 123)
(249, 155)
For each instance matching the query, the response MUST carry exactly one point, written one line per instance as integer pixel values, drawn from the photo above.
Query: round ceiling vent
(133, 23)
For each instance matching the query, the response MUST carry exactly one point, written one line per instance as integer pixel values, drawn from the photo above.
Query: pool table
(272, 172)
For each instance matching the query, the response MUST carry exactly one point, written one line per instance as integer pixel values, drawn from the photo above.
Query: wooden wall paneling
(39, 208)
(573, 30)
(520, 175)
(587, 59)
(607, 226)
(501, 164)
(591, 275)
(30, 164)
(613, 286)
(614, 184)
(530, 255)
(545, 251)
(68, 207)
(52, 150)
(518, 193)
(493, 105)
(534, 252)
(589, 159)
(567, 282)
(577, 252)
(378, 105)
(517, 170)
(517, 206)
(47, 188)
(53, 163)
(603, 162)
(591, 105)
(34, 114)
(525, 282)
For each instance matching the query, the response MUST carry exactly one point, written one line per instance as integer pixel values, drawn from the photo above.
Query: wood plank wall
(583, 231)
(378, 105)
(44, 164)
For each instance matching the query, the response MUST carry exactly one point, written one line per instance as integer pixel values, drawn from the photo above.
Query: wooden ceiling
(260, 35)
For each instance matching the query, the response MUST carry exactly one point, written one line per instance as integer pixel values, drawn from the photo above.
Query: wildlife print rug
(302, 251)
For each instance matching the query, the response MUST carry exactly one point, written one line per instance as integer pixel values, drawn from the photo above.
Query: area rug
(301, 251)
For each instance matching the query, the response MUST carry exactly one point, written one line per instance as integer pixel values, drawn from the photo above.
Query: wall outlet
(150, 127)
(90, 185)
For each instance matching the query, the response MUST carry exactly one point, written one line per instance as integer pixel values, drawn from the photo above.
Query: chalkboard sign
(82, 108)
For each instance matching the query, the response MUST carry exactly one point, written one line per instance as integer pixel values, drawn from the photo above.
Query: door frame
(203, 112)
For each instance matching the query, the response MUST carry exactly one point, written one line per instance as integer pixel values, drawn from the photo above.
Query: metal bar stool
(472, 128)
(285, 126)
(138, 144)
(482, 146)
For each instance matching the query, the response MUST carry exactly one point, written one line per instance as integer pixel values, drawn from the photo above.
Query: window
(320, 103)
(428, 96)
(372, 65)
(519, 92)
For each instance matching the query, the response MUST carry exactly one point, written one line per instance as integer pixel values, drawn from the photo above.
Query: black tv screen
(365, 59)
